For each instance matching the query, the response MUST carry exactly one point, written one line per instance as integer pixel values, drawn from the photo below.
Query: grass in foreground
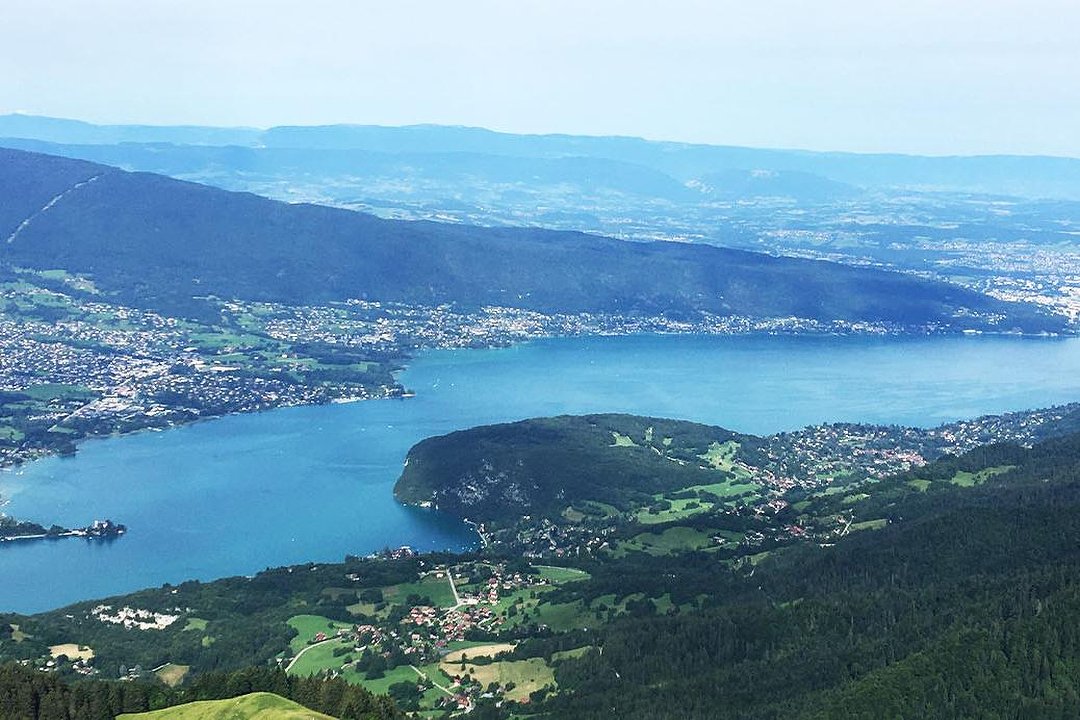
(256, 706)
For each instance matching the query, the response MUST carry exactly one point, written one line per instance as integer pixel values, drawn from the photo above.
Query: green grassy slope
(256, 706)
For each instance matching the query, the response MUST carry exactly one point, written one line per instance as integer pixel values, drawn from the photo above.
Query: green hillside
(255, 706)
(544, 465)
(159, 243)
(741, 590)
(963, 604)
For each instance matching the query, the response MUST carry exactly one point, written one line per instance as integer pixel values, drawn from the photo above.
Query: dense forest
(966, 606)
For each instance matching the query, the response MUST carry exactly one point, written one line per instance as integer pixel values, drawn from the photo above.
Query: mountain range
(156, 242)
(193, 148)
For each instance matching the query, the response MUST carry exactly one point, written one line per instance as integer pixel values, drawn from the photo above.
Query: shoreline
(424, 371)
(403, 393)
(99, 530)
(407, 394)
(58, 536)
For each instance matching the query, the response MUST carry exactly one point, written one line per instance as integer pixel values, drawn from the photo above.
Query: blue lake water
(239, 494)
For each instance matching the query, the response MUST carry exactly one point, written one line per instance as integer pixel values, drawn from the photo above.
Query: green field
(679, 509)
(672, 540)
(368, 609)
(558, 616)
(11, 433)
(317, 658)
(400, 674)
(729, 488)
(564, 616)
(685, 507)
(869, 525)
(852, 499)
(967, 479)
(836, 490)
(404, 673)
(573, 515)
(172, 675)
(721, 456)
(224, 339)
(570, 654)
(436, 675)
(527, 675)
(309, 625)
(560, 575)
(256, 706)
(195, 623)
(381, 686)
(438, 589)
(591, 508)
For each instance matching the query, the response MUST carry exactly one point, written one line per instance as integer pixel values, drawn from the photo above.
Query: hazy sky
(947, 76)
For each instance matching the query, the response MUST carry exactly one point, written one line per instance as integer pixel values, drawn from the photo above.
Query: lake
(238, 494)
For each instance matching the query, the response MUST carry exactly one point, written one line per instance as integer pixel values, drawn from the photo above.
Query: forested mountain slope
(161, 243)
(964, 605)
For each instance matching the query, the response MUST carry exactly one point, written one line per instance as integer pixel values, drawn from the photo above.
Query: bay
(238, 494)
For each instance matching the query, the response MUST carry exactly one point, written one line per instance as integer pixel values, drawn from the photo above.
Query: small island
(12, 529)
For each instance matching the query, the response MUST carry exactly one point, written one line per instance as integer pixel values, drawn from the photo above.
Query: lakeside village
(73, 366)
(789, 466)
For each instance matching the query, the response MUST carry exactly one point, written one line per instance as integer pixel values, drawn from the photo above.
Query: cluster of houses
(134, 617)
(425, 631)
(543, 538)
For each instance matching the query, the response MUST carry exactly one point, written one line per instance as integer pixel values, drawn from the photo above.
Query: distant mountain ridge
(1024, 176)
(162, 243)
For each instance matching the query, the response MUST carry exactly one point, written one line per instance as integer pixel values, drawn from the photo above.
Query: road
(445, 689)
(453, 588)
(306, 648)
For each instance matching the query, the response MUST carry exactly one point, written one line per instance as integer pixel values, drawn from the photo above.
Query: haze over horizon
(915, 77)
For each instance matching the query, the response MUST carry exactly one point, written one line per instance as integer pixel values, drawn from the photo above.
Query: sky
(940, 77)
